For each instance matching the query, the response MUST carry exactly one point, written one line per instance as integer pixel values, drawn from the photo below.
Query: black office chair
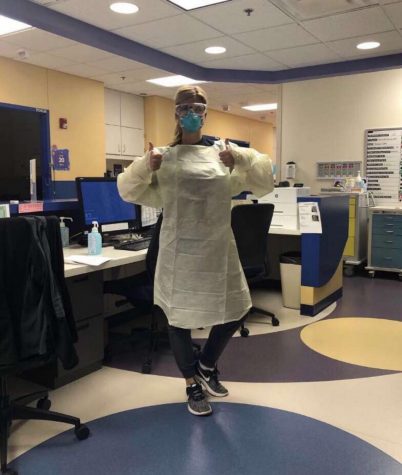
(138, 290)
(36, 318)
(250, 224)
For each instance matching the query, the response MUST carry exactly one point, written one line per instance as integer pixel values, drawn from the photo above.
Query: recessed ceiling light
(261, 107)
(173, 81)
(192, 4)
(8, 25)
(124, 7)
(215, 50)
(368, 45)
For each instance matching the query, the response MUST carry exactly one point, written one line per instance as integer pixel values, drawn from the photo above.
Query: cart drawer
(389, 241)
(388, 258)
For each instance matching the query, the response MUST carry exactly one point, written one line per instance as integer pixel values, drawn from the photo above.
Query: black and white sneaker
(210, 382)
(197, 403)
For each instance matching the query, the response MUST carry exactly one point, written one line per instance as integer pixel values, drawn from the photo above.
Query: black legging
(181, 343)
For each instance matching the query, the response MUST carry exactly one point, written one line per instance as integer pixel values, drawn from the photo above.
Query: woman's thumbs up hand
(155, 158)
(226, 156)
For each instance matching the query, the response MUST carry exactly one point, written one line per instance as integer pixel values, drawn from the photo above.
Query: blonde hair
(185, 94)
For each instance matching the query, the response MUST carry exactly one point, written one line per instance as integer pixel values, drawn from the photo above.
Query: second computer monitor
(100, 201)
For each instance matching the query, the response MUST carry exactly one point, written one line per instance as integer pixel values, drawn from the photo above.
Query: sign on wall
(384, 165)
(61, 159)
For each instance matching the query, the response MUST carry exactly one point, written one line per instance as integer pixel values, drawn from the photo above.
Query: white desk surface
(117, 258)
(121, 258)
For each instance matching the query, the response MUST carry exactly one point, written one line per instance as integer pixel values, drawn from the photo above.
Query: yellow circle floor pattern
(370, 342)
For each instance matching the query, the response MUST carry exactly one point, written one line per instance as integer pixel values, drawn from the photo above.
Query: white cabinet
(113, 139)
(124, 124)
(132, 141)
(112, 107)
(132, 111)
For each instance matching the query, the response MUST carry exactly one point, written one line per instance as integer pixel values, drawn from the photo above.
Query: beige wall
(79, 100)
(325, 119)
(160, 124)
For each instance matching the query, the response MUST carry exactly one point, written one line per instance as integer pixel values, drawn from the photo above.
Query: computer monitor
(100, 201)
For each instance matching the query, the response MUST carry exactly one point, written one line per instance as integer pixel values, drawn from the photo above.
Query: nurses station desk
(321, 282)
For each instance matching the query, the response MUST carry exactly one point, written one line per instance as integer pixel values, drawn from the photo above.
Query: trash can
(290, 267)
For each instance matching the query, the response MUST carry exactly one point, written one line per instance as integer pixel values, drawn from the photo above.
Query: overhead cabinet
(124, 123)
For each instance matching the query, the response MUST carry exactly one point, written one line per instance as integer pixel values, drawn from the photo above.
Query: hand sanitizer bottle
(64, 231)
(359, 182)
(94, 240)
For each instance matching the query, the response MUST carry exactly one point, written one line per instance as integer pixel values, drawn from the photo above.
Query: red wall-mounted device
(63, 123)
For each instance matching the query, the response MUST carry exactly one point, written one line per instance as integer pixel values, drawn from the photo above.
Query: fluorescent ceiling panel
(173, 81)
(261, 107)
(193, 4)
(8, 25)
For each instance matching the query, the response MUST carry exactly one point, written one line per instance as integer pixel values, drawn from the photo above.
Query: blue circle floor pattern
(236, 439)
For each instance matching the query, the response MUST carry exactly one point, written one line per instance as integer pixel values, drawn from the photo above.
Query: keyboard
(133, 244)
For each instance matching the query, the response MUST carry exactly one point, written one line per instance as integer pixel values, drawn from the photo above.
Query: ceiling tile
(116, 63)
(347, 25)
(81, 70)
(251, 61)
(194, 52)
(81, 53)
(98, 13)
(230, 17)
(131, 76)
(169, 32)
(148, 89)
(305, 55)
(309, 9)
(279, 37)
(391, 41)
(395, 13)
(38, 40)
(270, 88)
(8, 50)
(48, 61)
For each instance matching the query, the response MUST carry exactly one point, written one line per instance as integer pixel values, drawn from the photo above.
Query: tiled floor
(306, 413)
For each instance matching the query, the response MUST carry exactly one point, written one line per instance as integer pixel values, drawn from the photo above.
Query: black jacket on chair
(36, 319)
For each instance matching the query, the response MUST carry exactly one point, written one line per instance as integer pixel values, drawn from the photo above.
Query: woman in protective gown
(199, 281)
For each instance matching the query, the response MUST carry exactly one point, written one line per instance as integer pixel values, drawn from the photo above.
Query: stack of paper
(88, 260)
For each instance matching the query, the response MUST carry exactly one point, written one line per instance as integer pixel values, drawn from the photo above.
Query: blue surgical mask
(191, 122)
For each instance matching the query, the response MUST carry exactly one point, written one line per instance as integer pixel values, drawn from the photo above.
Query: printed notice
(384, 165)
(309, 218)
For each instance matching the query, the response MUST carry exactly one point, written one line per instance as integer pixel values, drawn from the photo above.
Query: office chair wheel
(82, 432)
(275, 322)
(44, 403)
(146, 367)
(244, 332)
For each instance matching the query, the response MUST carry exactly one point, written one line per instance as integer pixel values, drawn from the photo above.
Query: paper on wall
(310, 218)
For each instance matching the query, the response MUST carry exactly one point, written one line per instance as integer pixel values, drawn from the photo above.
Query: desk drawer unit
(86, 292)
(386, 242)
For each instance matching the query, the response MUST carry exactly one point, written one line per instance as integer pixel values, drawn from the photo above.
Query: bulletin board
(383, 153)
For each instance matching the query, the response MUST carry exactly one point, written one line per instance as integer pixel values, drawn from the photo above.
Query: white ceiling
(278, 35)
